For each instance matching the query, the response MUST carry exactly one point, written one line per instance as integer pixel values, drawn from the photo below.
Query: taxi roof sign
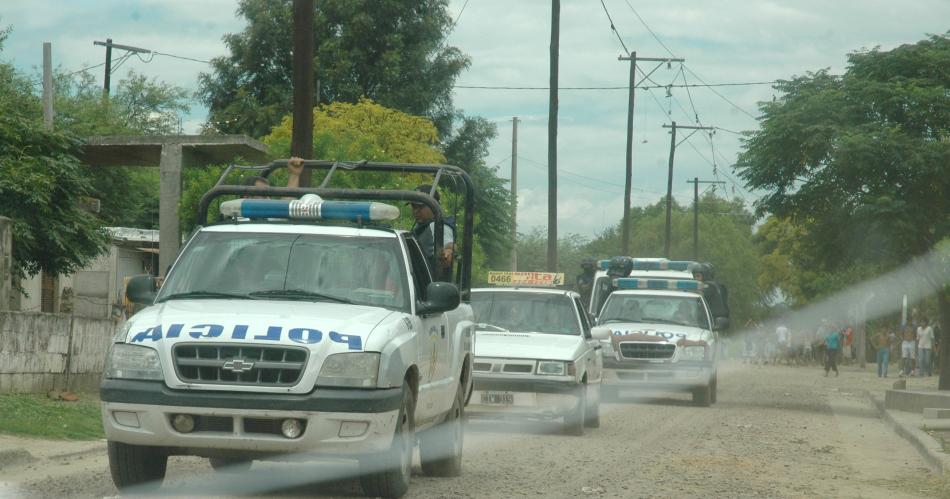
(541, 279)
(675, 284)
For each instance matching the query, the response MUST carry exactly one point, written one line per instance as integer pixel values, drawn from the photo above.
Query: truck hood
(318, 326)
(489, 344)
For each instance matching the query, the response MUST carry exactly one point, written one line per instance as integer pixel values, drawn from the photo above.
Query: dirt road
(775, 432)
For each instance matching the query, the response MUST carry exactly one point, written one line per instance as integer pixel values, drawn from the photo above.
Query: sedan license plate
(498, 398)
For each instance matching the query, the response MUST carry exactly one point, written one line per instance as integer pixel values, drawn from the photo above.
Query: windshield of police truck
(305, 267)
(535, 312)
(680, 310)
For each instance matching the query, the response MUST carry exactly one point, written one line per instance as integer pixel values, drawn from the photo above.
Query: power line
(645, 25)
(723, 97)
(180, 57)
(592, 179)
(624, 87)
(614, 28)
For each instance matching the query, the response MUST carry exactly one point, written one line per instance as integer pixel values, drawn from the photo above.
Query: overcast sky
(728, 41)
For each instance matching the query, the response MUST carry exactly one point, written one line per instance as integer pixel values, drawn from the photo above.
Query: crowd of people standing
(830, 344)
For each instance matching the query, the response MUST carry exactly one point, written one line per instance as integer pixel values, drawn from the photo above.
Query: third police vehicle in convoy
(662, 334)
(536, 354)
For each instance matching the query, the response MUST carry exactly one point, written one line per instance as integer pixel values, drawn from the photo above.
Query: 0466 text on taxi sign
(525, 278)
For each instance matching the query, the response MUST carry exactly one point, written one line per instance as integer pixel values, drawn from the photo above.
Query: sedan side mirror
(442, 297)
(141, 289)
(600, 333)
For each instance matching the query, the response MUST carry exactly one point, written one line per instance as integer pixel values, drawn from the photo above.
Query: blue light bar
(349, 211)
(639, 264)
(603, 264)
(637, 283)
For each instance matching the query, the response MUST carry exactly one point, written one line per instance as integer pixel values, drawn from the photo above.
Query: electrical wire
(624, 87)
(614, 28)
(180, 57)
(645, 25)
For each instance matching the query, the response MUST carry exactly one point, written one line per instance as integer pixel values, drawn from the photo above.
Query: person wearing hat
(424, 230)
(584, 283)
(716, 294)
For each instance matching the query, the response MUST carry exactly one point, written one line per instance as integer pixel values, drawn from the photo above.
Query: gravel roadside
(776, 432)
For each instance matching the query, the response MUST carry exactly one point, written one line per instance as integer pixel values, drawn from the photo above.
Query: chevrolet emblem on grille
(238, 366)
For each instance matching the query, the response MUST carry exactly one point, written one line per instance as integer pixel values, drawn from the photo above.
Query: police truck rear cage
(412, 196)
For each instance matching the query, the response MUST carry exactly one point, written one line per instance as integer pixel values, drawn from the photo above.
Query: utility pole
(108, 74)
(625, 238)
(48, 85)
(301, 141)
(514, 194)
(552, 137)
(669, 180)
(696, 183)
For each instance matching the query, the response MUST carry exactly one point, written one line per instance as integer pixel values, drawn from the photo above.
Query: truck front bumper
(640, 376)
(531, 398)
(336, 422)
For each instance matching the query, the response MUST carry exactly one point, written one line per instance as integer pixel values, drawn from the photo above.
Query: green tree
(390, 51)
(860, 159)
(41, 185)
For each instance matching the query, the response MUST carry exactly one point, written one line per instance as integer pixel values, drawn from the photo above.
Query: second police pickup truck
(662, 334)
(297, 327)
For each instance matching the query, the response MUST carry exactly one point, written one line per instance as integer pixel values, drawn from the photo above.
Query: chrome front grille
(631, 350)
(239, 364)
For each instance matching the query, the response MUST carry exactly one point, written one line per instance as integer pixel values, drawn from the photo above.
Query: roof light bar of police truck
(653, 264)
(309, 209)
(637, 283)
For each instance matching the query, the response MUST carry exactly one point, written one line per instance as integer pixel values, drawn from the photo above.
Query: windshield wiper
(617, 319)
(204, 294)
(484, 326)
(298, 294)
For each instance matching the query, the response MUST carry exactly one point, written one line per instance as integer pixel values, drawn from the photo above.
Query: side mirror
(600, 333)
(442, 297)
(721, 323)
(141, 289)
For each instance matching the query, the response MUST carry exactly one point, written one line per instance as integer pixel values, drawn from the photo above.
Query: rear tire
(136, 465)
(593, 408)
(387, 475)
(440, 448)
(702, 396)
(574, 420)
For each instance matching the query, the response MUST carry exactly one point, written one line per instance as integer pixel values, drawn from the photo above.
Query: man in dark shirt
(585, 280)
(424, 230)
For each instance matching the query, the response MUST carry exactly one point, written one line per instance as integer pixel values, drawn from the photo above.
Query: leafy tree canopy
(860, 158)
(391, 51)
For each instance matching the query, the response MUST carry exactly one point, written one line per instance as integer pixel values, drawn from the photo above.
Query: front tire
(136, 465)
(574, 420)
(387, 475)
(440, 448)
(593, 409)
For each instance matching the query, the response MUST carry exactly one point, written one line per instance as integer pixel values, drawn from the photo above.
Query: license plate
(498, 398)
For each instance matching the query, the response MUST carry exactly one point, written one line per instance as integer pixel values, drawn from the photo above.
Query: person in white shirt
(925, 345)
(782, 338)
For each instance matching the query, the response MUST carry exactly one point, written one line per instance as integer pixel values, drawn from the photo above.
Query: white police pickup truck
(273, 335)
(662, 338)
(536, 356)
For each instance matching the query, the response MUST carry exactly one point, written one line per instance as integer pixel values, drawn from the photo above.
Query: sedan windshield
(534, 312)
(301, 267)
(680, 310)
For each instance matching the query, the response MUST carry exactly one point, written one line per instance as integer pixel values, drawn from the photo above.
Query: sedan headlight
(359, 370)
(555, 368)
(133, 362)
(693, 352)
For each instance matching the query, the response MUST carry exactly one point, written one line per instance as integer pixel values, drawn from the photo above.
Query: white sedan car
(536, 357)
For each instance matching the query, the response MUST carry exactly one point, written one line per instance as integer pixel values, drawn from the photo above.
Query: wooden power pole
(669, 180)
(301, 141)
(552, 138)
(696, 183)
(514, 194)
(48, 85)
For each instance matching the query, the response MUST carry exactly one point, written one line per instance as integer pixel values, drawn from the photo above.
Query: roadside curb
(926, 445)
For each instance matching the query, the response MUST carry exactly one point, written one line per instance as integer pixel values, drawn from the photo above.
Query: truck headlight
(555, 368)
(359, 370)
(695, 352)
(133, 362)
